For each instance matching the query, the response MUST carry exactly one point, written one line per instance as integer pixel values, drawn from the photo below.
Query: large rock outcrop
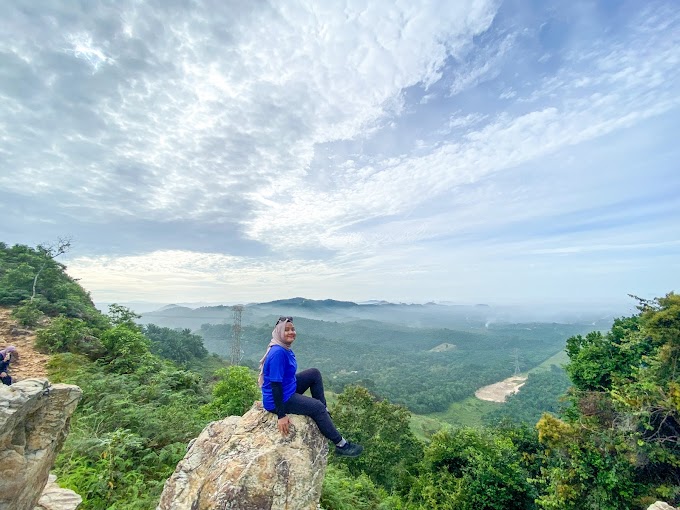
(34, 422)
(660, 505)
(244, 463)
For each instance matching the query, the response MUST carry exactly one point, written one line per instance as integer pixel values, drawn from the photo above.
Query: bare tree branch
(50, 252)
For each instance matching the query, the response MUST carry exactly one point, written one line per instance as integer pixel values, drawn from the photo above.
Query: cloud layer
(411, 151)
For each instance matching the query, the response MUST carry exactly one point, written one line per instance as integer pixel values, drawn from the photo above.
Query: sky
(468, 151)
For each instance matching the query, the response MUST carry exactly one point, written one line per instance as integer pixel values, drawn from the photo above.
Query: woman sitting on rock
(5, 358)
(282, 388)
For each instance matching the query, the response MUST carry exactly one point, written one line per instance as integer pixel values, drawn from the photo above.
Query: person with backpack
(5, 358)
(283, 388)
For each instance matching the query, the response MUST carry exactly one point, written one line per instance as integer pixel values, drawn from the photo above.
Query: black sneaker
(349, 450)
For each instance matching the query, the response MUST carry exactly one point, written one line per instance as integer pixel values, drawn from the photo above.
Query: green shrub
(105, 472)
(469, 469)
(233, 394)
(62, 335)
(126, 348)
(63, 367)
(390, 447)
(342, 491)
(28, 314)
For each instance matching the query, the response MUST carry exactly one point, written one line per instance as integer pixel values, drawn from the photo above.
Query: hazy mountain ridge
(408, 314)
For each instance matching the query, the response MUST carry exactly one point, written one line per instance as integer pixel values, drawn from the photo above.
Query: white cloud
(168, 275)
(202, 133)
(627, 92)
(588, 248)
(169, 116)
(81, 46)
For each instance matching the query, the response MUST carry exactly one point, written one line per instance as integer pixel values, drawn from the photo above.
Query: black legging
(314, 406)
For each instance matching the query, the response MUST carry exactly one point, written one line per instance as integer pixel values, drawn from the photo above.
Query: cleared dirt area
(498, 392)
(29, 362)
(443, 348)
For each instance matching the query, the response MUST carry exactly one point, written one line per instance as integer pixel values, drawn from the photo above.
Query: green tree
(588, 468)
(619, 446)
(468, 469)
(28, 274)
(233, 395)
(126, 438)
(19, 279)
(651, 394)
(391, 450)
(596, 360)
(48, 252)
(127, 348)
(177, 345)
(121, 315)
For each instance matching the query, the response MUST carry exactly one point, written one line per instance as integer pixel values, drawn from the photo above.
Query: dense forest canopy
(614, 444)
(402, 363)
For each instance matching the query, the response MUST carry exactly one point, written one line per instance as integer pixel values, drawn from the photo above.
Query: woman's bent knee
(316, 408)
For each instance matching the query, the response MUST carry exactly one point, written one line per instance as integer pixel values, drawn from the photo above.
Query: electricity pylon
(236, 335)
(515, 361)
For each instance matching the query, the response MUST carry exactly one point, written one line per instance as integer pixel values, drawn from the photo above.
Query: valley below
(452, 365)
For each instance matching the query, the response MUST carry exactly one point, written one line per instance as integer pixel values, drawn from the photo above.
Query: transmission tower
(236, 335)
(515, 361)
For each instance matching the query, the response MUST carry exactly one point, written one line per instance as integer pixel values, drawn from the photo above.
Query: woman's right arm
(277, 393)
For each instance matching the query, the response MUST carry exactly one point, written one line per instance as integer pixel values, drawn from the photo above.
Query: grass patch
(466, 413)
(560, 359)
(424, 426)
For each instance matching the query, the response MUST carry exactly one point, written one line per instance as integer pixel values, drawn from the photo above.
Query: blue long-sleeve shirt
(279, 367)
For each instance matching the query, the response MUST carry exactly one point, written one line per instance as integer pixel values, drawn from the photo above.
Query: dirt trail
(29, 363)
(499, 391)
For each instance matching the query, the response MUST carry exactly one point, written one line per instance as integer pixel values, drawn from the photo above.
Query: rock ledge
(244, 463)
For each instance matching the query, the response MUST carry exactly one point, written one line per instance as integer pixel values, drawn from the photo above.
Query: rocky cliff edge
(34, 422)
(244, 463)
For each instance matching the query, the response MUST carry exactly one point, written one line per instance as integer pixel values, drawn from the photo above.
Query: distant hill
(429, 315)
(310, 303)
(413, 315)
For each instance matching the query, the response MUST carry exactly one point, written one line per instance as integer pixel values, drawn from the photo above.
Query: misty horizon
(510, 312)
